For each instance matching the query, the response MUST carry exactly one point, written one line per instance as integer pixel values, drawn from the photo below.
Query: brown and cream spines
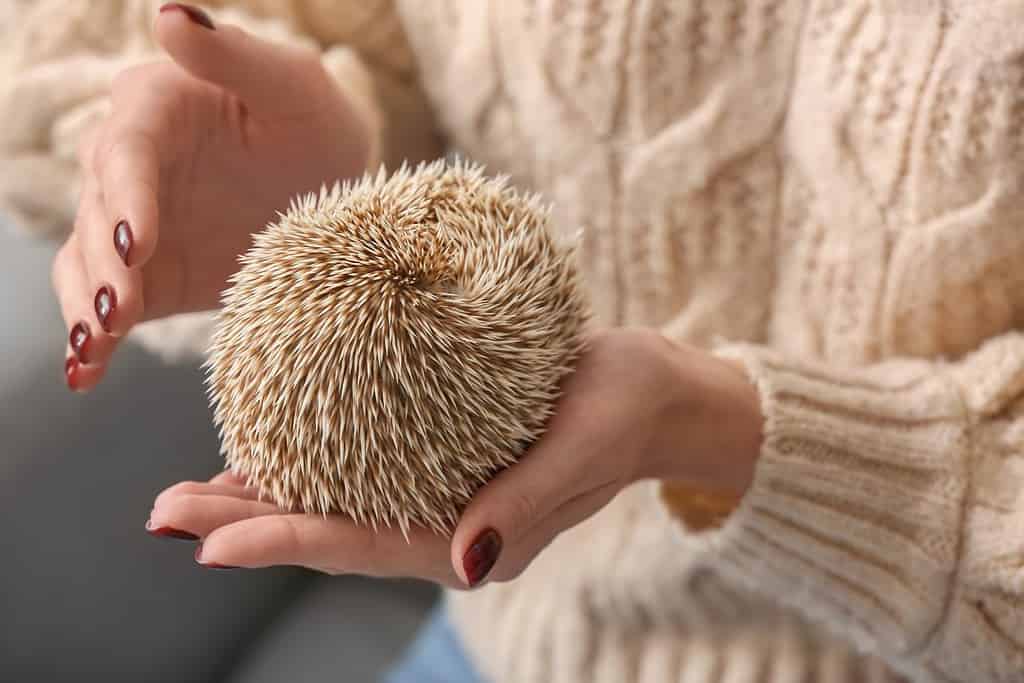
(389, 346)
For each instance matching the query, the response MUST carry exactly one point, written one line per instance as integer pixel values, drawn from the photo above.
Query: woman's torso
(798, 173)
(830, 178)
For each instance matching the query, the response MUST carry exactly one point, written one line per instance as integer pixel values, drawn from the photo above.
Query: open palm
(198, 154)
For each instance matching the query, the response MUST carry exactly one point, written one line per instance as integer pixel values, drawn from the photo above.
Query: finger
(202, 488)
(200, 515)
(506, 509)
(515, 558)
(117, 291)
(129, 175)
(68, 282)
(87, 347)
(260, 73)
(80, 377)
(86, 150)
(333, 544)
(229, 478)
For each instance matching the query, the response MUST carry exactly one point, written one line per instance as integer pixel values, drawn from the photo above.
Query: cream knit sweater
(829, 190)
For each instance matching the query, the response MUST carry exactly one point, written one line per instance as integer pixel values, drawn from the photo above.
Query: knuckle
(130, 75)
(125, 144)
(85, 150)
(145, 97)
(291, 544)
(129, 79)
(179, 490)
(358, 550)
(524, 509)
(123, 80)
(96, 149)
(179, 507)
(188, 487)
(103, 150)
(252, 508)
(112, 146)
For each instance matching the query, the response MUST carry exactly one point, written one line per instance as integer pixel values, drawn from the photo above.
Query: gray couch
(85, 593)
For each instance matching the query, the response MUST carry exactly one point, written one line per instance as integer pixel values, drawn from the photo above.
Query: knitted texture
(826, 190)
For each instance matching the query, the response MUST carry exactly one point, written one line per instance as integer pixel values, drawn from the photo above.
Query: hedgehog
(390, 344)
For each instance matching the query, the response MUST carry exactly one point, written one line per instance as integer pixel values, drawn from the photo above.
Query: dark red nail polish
(105, 303)
(170, 532)
(209, 565)
(123, 240)
(71, 373)
(79, 340)
(481, 556)
(194, 13)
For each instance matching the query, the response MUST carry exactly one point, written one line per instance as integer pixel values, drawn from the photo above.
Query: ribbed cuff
(855, 513)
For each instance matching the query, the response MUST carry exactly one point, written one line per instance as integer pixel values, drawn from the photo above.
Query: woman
(826, 193)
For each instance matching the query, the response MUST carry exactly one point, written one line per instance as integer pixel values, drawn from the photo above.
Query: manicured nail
(481, 556)
(169, 532)
(123, 240)
(194, 13)
(79, 340)
(71, 373)
(105, 303)
(209, 565)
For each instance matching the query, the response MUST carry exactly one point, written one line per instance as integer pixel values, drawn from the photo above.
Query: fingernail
(123, 240)
(71, 373)
(209, 565)
(169, 532)
(194, 13)
(105, 303)
(79, 340)
(481, 556)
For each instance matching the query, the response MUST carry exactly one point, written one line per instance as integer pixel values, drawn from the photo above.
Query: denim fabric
(435, 656)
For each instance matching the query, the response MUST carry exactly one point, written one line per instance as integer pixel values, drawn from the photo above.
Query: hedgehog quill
(389, 345)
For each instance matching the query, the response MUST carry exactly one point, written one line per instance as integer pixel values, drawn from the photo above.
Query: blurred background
(85, 593)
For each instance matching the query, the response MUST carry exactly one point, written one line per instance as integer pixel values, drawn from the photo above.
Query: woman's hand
(197, 154)
(636, 407)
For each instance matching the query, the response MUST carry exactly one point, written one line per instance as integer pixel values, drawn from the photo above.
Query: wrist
(739, 402)
(710, 422)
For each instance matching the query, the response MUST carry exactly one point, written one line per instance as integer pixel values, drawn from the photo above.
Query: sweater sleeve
(58, 60)
(888, 503)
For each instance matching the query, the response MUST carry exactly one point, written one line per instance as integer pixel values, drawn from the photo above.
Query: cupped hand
(637, 406)
(197, 154)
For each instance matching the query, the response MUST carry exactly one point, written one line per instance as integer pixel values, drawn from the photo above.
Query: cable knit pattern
(826, 190)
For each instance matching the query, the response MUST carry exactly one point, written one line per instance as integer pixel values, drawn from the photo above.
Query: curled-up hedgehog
(390, 345)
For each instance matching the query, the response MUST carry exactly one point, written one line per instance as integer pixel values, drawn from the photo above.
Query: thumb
(263, 75)
(514, 516)
(496, 520)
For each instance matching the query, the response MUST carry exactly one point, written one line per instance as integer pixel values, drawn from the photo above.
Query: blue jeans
(435, 656)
